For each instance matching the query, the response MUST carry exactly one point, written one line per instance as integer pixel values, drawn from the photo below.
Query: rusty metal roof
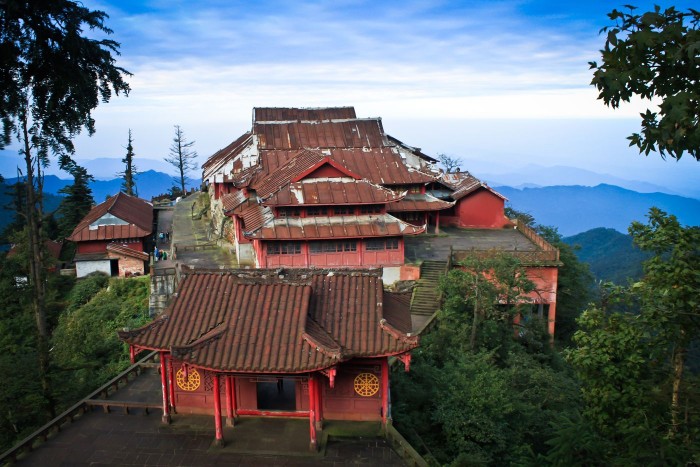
(419, 202)
(231, 201)
(136, 212)
(278, 114)
(464, 184)
(323, 227)
(124, 250)
(261, 323)
(356, 133)
(220, 157)
(332, 191)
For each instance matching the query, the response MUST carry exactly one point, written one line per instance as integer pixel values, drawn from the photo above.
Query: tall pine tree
(78, 200)
(130, 171)
(182, 157)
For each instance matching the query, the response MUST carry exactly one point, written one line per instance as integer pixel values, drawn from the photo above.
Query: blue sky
(502, 84)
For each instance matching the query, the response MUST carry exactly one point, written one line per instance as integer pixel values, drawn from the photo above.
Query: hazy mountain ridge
(148, 185)
(575, 209)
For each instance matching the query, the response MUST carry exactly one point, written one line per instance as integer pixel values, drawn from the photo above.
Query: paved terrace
(437, 247)
(139, 438)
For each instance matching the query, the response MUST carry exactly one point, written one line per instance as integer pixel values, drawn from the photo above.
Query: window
(289, 212)
(338, 246)
(343, 210)
(371, 209)
(381, 244)
(284, 248)
(317, 211)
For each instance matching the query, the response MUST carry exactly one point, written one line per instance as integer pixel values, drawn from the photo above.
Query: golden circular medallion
(366, 384)
(189, 383)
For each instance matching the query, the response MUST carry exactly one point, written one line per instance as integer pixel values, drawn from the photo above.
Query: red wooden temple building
(310, 344)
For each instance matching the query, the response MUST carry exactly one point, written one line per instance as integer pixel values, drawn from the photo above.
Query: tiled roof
(263, 324)
(321, 227)
(419, 202)
(332, 191)
(136, 212)
(126, 251)
(281, 114)
(356, 133)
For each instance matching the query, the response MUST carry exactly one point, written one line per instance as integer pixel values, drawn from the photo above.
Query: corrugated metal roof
(264, 324)
(231, 201)
(277, 114)
(321, 227)
(465, 183)
(419, 202)
(137, 212)
(356, 133)
(222, 156)
(332, 191)
(126, 251)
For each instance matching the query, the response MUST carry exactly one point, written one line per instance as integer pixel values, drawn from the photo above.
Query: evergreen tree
(78, 201)
(51, 77)
(130, 170)
(182, 157)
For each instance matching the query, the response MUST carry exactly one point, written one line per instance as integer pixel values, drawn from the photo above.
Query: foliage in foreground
(477, 394)
(83, 318)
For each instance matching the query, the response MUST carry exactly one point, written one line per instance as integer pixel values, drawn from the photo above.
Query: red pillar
(437, 222)
(219, 440)
(164, 386)
(385, 390)
(132, 354)
(171, 382)
(319, 404)
(551, 320)
(229, 389)
(312, 413)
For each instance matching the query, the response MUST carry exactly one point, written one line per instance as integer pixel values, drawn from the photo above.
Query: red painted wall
(481, 209)
(101, 246)
(545, 280)
(326, 170)
(360, 258)
(341, 402)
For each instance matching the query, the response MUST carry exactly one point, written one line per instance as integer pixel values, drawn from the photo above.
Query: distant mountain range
(576, 209)
(148, 185)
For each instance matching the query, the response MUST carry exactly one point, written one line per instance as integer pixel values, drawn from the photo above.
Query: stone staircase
(425, 298)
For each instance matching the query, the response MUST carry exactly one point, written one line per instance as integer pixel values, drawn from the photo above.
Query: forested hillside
(610, 254)
(84, 318)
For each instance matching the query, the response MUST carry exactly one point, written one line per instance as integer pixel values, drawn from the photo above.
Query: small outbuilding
(114, 237)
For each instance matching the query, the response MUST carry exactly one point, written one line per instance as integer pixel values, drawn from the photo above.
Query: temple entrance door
(280, 395)
(114, 267)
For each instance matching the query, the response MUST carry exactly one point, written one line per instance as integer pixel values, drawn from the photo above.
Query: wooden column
(551, 321)
(312, 414)
(219, 440)
(319, 403)
(171, 382)
(132, 354)
(164, 387)
(385, 391)
(229, 390)
(437, 222)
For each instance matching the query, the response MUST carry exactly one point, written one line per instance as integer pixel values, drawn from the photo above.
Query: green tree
(484, 397)
(130, 171)
(182, 157)
(51, 77)
(655, 55)
(78, 200)
(631, 352)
